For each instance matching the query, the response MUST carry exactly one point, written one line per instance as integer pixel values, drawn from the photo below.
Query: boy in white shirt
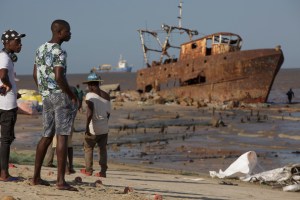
(98, 113)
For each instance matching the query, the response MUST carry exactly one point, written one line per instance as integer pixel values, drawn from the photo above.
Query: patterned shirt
(48, 56)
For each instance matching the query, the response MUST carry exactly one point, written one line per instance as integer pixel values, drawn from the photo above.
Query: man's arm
(5, 79)
(35, 75)
(89, 115)
(63, 84)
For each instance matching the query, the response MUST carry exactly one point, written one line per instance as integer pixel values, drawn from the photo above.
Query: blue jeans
(8, 120)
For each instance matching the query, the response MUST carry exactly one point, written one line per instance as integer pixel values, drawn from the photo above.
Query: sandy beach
(165, 151)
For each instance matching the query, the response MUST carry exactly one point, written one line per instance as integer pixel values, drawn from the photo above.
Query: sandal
(67, 187)
(83, 171)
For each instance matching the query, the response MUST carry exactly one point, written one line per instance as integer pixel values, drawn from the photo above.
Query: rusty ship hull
(212, 68)
(243, 76)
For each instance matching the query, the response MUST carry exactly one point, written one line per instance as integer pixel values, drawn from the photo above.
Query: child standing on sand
(98, 113)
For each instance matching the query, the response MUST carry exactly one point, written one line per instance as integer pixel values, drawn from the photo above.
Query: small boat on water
(212, 68)
(122, 67)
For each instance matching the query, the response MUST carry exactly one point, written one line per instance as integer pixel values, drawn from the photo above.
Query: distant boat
(122, 67)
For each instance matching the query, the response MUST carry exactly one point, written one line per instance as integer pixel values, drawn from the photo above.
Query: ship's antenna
(180, 14)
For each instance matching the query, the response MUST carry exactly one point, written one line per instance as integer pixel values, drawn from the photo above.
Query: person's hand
(80, 105)
(87, 131)
(74, 100)
(19, 95)
(4, 89)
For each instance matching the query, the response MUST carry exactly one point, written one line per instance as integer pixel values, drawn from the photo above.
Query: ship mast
(166, 44)
(180, 14)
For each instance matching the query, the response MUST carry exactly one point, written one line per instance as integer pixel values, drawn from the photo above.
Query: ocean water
(126, 80)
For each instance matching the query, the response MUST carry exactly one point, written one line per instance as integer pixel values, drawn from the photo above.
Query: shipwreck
(212, 68)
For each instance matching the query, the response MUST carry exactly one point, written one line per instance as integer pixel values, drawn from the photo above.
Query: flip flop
(10, 165)
(83, 171)
(99, 174)
(39, 182)
(11, 179)
(67, 187)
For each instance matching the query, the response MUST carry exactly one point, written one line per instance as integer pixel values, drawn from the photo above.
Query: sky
(102, 31)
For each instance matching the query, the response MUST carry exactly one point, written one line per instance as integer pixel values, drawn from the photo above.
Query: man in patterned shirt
(59, 102)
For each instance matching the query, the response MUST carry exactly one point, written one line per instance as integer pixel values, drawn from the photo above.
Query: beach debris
(30, 102)
(146, 162)
(8, 198)
(97, 183)
(128, 189)
(78, 179)
(50, 173)
(227, 183)
(240, 168)
(288, 175)
(296, 152)
(142, 154)
(242, 120)
(217, 122)
(158, 197)
(292, 188)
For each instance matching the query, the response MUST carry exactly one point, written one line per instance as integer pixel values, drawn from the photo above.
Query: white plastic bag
(240, 168)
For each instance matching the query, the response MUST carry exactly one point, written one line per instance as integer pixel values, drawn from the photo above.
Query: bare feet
(39, 182)
(10, 179)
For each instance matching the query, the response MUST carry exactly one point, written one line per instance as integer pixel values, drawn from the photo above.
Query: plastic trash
(240, 168)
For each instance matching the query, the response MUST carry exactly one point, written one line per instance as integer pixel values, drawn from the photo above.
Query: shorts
(58, 114)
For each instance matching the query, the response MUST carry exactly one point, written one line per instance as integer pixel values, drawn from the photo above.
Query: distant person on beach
(11, 41)
(80, 95)
(59, 102)
(98, 113)
(290, 94)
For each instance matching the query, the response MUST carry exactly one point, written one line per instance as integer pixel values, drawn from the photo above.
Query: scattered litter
(227, 183)
(287, 177)
(240, 168)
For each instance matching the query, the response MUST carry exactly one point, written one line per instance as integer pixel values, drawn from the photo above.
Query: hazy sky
(103, 30)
